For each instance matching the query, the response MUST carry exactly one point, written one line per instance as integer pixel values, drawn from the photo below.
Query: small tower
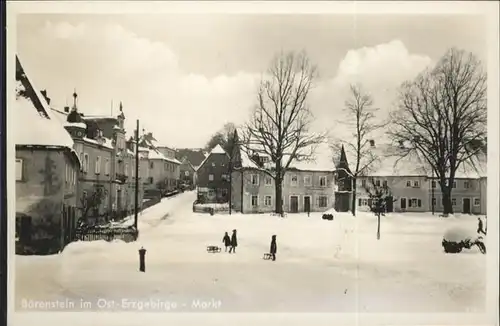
(75, 124)
(119, 130)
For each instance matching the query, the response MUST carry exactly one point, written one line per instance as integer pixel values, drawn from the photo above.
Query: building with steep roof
(308, 186)
(413, 185)
(46, 173)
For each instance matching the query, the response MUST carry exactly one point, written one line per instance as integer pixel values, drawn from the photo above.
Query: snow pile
(456, 234)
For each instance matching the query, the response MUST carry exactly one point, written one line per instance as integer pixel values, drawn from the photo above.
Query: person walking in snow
(226, 240)
(480, 226)
(274, 248)
(234, 242)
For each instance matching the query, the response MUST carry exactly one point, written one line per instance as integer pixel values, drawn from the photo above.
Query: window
(255, 201)
(307, 180)
(362, 202)
(86, 162)
(408, 183)
(454, 201)
(363, 183)
(377, 183)
(323, 201)
(294, 180)
(477, 202)
(66, 179)
(213, 164)
(98, 165)
(415, 202)
(82, 161)
(384, 183)
(433, 184)
(322, 181)
(223, 192)
(126, 169)
(416, 184)
(255, 179)
(454, 184)
(151, 165)
(267, 200)
(106, 167)
(210, 177)
(74, 177)
(467, 184)
(268, 181)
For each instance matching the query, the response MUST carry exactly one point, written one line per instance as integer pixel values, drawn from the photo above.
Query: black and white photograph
(205, 158)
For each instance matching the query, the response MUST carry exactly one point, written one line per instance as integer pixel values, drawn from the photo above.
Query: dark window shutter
(419, 203)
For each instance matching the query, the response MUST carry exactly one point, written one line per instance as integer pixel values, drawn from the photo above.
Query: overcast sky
(185, 76)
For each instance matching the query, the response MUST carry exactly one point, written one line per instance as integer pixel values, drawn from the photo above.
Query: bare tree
(379, 198)
(441, 118)
(361, 120)
(279, 125)
(90, 203)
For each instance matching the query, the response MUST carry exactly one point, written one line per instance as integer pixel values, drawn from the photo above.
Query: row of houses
(326, 183)
(72, 167)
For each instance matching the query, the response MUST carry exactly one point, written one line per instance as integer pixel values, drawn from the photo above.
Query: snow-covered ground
(322, 266)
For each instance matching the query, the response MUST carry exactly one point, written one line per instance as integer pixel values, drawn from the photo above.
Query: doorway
(294, 204)
(389, 204)
(307, 204)
(466, 206)
(403, 203)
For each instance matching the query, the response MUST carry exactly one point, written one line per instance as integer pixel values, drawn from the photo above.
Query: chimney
(372, 143)
(44, 93)
(66, 109)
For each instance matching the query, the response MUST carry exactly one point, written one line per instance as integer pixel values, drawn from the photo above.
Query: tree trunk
(353, 202)
(378, 226)
(447, 205)
(278, 209)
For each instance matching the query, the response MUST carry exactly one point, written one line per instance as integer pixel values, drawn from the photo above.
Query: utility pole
(433, 182)
(136, 174)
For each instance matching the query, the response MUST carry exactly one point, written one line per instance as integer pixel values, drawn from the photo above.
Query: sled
(267, 256)
(213, 249)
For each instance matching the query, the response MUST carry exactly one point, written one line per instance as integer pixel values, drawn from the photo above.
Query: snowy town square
(179, 163)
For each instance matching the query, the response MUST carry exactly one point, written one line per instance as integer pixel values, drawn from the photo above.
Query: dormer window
(372, 143)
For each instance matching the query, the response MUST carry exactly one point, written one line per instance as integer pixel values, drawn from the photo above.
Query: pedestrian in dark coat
(226, 240)
(480, 226)
(274, 248)
(234, 242)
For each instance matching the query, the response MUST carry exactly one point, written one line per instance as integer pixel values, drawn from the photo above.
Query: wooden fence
(127, 234)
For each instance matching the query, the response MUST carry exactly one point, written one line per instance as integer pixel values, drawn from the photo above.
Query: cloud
(107, 62)
(379, 70)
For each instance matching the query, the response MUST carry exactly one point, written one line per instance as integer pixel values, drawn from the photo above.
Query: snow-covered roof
(247, 162)
(106, 142)
(218, 150)
(389, 163)
(321, 160)
(75, 124)
(38, 126)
